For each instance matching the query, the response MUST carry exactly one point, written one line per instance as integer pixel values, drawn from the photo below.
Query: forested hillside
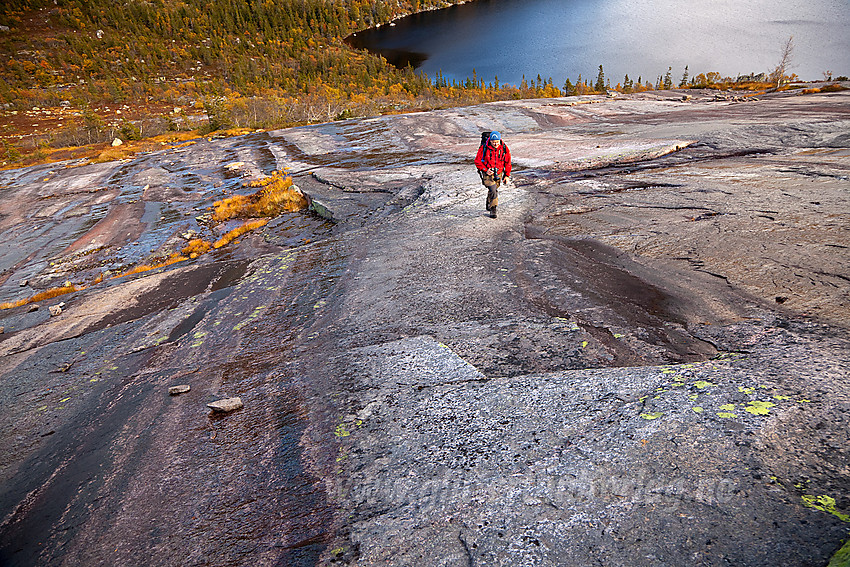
(76, 72)
(252, 63)
(164, 48)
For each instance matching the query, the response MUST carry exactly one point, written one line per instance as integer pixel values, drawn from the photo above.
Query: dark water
(562, 38)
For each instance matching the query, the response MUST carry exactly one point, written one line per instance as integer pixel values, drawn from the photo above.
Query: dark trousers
(492, 183)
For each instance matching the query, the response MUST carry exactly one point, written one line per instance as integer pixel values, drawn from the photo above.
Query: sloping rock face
(642, 361)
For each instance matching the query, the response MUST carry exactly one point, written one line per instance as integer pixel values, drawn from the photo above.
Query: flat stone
(32, 307)
(226, 405)
(181, 389)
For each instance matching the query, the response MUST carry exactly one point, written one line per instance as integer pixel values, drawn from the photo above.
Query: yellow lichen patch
(728, 407)
(702, 384)
(239, 231)
(759, 408)
(277, 195)
(726, 414)
(651, 415)
(824, 503)
(41, 296)
(697, 409)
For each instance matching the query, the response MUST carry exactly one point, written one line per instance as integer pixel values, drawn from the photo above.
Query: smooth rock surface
(642, 361)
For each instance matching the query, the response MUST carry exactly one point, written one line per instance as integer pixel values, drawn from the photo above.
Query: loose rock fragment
(116, 142)
(32, 307)
(226, 405)
(181, 389)
(55, 310)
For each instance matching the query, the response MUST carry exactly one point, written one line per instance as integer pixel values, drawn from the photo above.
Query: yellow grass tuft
(173, 259)
(277, 195)
(196, 247)
(41, 296)
(113, 154)
(239, 231)
(171, 138)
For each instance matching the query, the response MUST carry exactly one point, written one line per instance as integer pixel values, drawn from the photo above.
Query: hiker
(494, 166)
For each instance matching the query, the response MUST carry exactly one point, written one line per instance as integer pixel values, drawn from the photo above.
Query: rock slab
(177, 390)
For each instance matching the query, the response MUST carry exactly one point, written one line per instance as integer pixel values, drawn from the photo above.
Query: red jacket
(499, 158)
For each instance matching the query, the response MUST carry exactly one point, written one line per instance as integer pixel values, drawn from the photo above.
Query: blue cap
(495, 136)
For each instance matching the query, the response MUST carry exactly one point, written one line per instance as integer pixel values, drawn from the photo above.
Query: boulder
(116, 142)
(226, 405)
(177, 390)
(55, 310)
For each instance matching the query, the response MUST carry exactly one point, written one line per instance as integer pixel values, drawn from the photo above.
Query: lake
(562, 38)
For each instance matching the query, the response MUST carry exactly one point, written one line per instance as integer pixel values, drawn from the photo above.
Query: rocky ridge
(642, 361)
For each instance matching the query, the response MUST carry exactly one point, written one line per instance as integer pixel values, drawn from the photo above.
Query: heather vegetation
(193, 64)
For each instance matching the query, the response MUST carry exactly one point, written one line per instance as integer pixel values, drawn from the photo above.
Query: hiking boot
(493, 212)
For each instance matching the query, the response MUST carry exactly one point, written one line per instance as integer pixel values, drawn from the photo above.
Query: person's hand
(508, 180)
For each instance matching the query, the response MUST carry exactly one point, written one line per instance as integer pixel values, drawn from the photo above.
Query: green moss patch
(841, 557)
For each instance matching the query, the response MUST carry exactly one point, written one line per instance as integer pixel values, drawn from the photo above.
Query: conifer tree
(600, 81)
(668, 78)
(684, 82)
